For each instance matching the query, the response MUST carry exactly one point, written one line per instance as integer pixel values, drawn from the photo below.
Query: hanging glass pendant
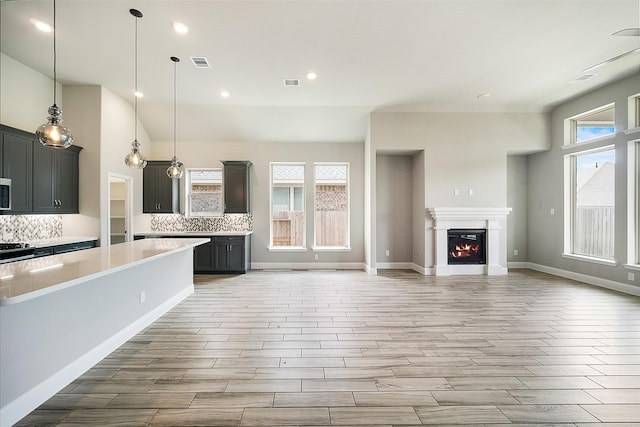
(135, 159)
(176, 170)
(53, 133)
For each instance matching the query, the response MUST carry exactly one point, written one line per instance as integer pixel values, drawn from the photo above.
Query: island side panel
(48, 341)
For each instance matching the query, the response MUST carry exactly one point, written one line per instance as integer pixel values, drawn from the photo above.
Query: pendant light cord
(135, 94)
(175, 91)
(55, 75)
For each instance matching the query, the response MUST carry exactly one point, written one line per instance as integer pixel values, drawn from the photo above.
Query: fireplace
(491, 221)
(466, 246)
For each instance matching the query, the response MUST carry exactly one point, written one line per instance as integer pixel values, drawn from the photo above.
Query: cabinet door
(16, 164)
(66, 193)
(203, 258)
(220, 256)
(160, 194)
(43, 182)
(236, 186)
(235, 256)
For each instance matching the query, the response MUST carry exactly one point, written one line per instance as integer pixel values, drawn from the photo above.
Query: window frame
(633, 205)
(571, 126)
(347, 246)
(273, 247)
(187, 194)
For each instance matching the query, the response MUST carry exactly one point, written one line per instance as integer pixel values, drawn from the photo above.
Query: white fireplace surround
(491, 219)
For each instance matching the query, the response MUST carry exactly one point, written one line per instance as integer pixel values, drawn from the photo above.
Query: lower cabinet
(64, 248)
(224, 254)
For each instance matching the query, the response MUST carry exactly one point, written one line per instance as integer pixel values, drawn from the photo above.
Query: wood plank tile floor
(345, 348)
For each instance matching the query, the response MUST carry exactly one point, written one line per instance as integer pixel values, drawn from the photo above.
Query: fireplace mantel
(491, 219)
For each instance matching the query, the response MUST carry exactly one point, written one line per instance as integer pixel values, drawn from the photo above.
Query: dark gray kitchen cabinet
(229, 254)
(203, 258)
(237, 195)
(160, 194)
(55, 179)
(16, 149)
(223, 254)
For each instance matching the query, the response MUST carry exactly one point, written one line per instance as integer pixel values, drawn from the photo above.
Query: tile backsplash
(20, 228)
(179, 222)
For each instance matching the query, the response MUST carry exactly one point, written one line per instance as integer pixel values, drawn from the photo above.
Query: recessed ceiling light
(224, 94)
(42, 26)
(311, 75)
(138, 94)
(180, 28)
(484, 95)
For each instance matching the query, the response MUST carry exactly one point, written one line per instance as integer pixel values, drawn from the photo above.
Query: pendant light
(53, 133)
(176, 170)
(135, 159)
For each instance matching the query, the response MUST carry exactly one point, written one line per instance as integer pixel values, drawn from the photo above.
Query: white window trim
(633, 109)
(271, 247)
(347, 247)
(569, 201)
(570, 129)
(633, 202)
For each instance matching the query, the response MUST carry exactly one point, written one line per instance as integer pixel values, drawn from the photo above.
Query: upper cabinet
(43, 179)
(55, 179)
(237, 197)
(160, 194)
(16, 149)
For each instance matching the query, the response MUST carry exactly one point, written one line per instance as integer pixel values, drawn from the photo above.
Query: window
(634, 111)
(204, 193)
(331, 201)
(594, 124)
(633, 212)
(592, 207)
(287, 205)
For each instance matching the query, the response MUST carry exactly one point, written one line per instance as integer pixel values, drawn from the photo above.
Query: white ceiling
(370, 55)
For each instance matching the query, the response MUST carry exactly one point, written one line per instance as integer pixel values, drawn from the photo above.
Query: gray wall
(546, 187)
(517, 190)
(394, 208)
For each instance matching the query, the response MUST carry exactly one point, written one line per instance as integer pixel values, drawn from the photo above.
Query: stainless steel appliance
(5, 194)
(10, 252)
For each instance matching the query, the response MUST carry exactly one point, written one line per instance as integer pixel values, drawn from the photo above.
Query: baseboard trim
(596, 281)
(308, 266)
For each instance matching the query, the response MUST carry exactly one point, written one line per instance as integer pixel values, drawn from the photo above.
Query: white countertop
(43, 243)
(24, 280)
(193, 233)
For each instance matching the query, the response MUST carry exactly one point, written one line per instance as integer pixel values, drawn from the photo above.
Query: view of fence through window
(287, 205)
(594, 207)
(331, 219)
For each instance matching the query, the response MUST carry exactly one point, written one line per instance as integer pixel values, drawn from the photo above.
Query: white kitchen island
(62, 314)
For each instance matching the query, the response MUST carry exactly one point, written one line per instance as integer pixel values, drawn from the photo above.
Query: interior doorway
(119, 209)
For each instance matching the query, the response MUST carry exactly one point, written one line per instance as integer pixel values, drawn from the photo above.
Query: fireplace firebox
(466, 246)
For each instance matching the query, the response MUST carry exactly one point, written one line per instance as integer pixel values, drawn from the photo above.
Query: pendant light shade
(135, 159)
(176, 170)
(53, 133)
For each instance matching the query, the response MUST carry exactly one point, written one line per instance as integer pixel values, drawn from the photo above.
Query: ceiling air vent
(291, 82)
(200, 62)
(582, 78)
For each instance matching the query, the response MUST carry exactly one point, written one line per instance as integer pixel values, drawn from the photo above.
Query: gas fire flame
(465, 250)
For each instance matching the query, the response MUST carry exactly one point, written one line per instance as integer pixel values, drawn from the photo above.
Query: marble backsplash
(20, 228)
(179, 222)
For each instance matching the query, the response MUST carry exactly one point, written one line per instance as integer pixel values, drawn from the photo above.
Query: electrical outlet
(471, 191)
(387, 252)
(552, 211)
(316, 257)
(456, 192)
(631, 276)
(143, 297)
(515, 252)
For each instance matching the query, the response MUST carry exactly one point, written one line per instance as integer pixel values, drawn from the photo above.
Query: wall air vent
(291, 82)
(200, 62)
